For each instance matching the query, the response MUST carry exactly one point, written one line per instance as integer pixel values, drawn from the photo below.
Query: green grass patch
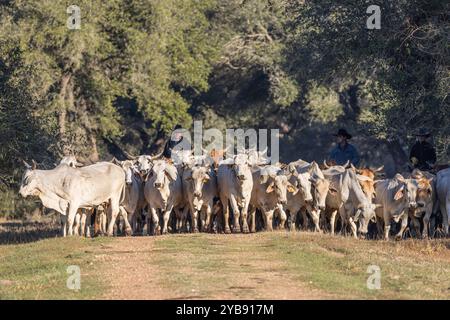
(38, 270)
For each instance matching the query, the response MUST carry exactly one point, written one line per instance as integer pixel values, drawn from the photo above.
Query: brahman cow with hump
(65, 189)
(269, 194)
(235, 183)
(396, 197)
(346, 196)
(163, 192)
(443, 194)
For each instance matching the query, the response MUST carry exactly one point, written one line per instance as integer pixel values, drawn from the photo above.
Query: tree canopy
(136, 68)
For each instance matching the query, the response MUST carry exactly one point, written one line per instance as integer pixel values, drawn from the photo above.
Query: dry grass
(277, 265)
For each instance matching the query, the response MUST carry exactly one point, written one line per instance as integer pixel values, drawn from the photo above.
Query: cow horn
(115, 161)
(325, 164)
(26, 164)
(378, 169)
(346, 165)
(34, 164)
(156, 156)
(129, 156)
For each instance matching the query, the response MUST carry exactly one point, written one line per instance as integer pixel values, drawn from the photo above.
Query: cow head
(29, 185)
(366, 180)
(320, 188)
(144, 165)
(302, 183)
(406, 191)
(279, 184)
(130, 169)
(71, 161)
(162, 173)
(424, 192)
(364, 214)
(197, 177)
(241, 168)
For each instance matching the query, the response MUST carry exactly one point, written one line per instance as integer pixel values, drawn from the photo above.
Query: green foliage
(136, 68)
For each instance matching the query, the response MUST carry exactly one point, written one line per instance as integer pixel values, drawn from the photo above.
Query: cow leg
(76, 224)
(236, 214)
(124, 214)
(416, 225)
(293, 218)
(166, 216)
(445, 212)
(208, 213)
(315, 215)
(283, 217)
(83, 223)
(88, 223)
(252, 218)
(64, 224)
(333, 218)
(244, 217)
(305, 218)
(404, 224)
(194, 219)
(353, 227)
(104, 222)
(226, 214)
(268, 219)
(72, 211)
(152, 222)
(113, 211)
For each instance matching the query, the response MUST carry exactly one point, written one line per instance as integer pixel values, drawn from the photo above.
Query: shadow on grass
(25, 232)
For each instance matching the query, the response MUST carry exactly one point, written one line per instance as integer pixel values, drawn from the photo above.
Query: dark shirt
(424, 152)
(342, 155)
(169, 147)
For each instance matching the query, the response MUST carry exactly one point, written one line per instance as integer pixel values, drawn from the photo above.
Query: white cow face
(364, 215)
(304, 186)
(29, 185)
(280, 185)
(320, 188)
(162, 174)
(129, 167)
(144, 165)
(198, 177)
(241, 168)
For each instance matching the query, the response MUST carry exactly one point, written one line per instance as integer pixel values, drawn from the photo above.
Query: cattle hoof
(195, 230)
(128, 233)
(227, 230)
(245, 230)
(236, 230)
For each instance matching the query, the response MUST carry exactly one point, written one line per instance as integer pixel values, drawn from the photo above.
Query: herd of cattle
(195, 193)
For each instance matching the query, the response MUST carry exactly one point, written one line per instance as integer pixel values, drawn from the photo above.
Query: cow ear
(399, 194)
(363, 178)
(270, 188)
(292, 189)
(333, 191)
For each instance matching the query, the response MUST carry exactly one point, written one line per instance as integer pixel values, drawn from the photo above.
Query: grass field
(278, 265)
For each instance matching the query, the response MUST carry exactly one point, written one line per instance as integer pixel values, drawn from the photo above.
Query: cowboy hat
(343, 133)
(423, 132)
